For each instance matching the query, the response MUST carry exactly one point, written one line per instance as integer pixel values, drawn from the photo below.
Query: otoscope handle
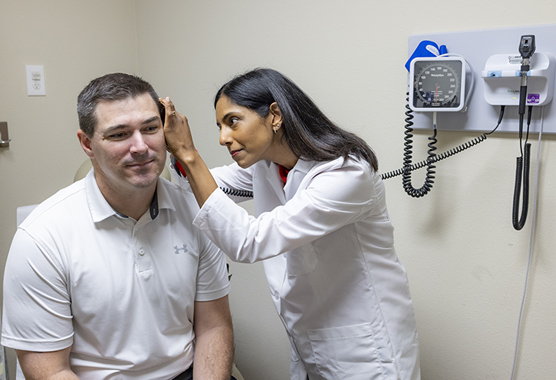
(522, 99)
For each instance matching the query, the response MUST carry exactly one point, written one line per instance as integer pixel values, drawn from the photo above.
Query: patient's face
(128, 146)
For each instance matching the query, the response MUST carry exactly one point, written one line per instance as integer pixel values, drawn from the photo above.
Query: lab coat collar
(295, 176)
(303, 166)
(273, 176)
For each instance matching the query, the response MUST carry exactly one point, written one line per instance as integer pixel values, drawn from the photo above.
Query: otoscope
(526, 49)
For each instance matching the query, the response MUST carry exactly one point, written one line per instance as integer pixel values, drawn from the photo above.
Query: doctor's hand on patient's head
(177, 131)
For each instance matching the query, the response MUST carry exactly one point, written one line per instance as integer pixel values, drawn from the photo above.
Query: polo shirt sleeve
(212, 276)
(36, 312)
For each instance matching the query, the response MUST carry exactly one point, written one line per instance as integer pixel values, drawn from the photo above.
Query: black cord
(526, 49)
(529, 117)
(408, 155)
(522, 176)
(232, 192)
(237, 193)
(435, 158)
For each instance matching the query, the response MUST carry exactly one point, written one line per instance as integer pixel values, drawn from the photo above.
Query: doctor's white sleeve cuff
(229, 227)
(203, 214)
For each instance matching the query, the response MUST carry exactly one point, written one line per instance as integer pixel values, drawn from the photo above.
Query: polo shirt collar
(100, 209)
(163, 196)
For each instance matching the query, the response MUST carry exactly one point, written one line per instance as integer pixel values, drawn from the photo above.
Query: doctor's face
(248, 136)
(128, 149)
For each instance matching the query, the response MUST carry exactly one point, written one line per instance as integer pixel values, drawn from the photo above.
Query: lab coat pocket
(351, 352)
(301, 260)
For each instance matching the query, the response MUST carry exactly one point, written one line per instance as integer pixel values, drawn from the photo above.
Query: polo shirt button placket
(142, 260)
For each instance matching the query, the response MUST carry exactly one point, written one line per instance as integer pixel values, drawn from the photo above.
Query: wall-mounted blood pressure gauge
(437, 84)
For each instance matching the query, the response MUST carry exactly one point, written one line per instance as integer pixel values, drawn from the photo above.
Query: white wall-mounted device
(502, 76)
(478, 47)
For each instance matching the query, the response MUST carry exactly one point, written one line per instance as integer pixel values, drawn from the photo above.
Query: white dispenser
(502, 79)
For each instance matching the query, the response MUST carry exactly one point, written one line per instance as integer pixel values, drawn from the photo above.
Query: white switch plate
(35, 80)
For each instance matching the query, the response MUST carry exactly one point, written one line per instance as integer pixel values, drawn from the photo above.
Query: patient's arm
(213, 340)
(46, 365)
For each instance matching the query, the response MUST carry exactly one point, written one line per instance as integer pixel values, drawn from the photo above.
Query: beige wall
(75, 41)
(465, 262)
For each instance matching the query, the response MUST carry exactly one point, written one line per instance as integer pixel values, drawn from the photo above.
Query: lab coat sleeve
(228, 177)
(234, 177)
(330, 200)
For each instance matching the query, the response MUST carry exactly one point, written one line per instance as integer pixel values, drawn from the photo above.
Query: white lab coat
(330, 262)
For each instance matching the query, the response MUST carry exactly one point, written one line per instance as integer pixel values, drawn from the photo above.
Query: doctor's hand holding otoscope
(321, 227)
(180, 143)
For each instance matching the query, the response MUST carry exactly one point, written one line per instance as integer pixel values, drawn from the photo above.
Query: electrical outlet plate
(35, 80)
(477, 47)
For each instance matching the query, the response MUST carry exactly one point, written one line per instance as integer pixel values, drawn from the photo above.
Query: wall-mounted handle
(4, 138)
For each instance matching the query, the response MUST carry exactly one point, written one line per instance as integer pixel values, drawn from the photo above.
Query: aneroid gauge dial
(437, 84)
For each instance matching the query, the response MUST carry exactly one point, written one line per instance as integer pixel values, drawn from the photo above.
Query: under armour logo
(184, 248)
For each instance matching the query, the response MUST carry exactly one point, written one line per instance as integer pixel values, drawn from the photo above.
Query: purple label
(533, 98)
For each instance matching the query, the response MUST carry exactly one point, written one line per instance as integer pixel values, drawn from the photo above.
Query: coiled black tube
(521, 177)
(439, 157)
(232, 192)
(408, 155)
(408, 167)
(237, 193)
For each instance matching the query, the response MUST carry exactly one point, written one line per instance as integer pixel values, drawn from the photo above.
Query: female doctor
(321, 227)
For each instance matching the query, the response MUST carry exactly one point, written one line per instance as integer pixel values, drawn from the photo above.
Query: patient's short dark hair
(110, 87)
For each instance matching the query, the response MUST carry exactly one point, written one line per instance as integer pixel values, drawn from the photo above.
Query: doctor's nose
(225, 138)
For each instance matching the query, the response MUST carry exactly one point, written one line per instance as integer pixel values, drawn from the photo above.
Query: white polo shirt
(121, 291)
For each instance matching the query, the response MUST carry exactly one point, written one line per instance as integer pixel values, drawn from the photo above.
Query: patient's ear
(85, 142)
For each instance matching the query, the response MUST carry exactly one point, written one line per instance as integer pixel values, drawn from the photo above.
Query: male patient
(108, 278)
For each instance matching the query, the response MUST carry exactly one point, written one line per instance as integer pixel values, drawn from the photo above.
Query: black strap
(154, 206)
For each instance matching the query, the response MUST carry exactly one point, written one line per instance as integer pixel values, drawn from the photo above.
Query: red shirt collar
(283, 173)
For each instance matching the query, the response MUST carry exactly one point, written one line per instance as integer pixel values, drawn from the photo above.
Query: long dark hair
(307, 131)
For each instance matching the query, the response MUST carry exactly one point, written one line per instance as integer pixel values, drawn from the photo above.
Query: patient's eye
(116, 136)
(152, 129)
